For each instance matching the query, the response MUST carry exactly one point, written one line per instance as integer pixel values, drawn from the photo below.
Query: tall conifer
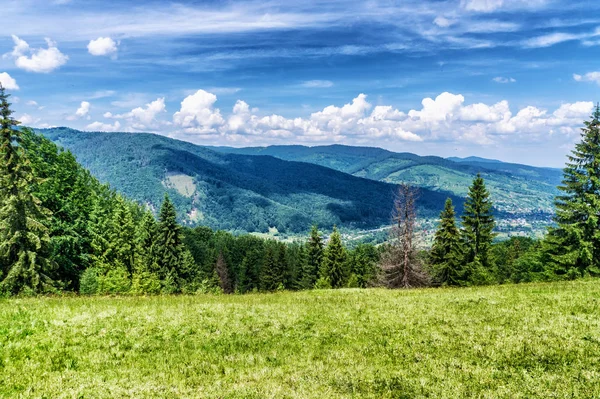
(446, 252)
(24, 239)
(334, 261)
(478, 224)
(574, 246)
(169, 241)
(314, 258)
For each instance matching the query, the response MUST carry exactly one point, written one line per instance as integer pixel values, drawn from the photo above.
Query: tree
(169, 242)
(478, 224)
(24, 239)
(271, 276)
(400, 266)
(223, 274)
(573, 247)
(334, 261)
(314, 258)
(446, 253)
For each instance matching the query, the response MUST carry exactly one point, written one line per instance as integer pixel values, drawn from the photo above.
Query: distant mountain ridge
(235, 191)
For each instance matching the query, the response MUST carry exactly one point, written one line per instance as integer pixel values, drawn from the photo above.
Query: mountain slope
(516, 189)
(234, 191)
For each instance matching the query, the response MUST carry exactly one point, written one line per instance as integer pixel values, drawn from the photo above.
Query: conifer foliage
(478, 223)
(334, 261)
(573, 247)
(446, 252)
(24, 238)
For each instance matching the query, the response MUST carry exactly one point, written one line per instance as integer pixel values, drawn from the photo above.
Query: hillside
(508, 341)
(234, 191)
(523, 194)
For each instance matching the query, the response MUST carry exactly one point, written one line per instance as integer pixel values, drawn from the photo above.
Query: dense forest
(62, 230)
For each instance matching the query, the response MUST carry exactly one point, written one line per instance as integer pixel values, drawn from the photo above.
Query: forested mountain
(516, 189)
(235, 191)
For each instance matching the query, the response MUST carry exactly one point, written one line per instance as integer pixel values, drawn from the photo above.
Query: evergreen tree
(334, 261)
(123, 235)
(573, 247)
(223, 274)
(24, 239)
(478, 223)
(169, 242)
(314, 258)
(446, 253)
(270, 276)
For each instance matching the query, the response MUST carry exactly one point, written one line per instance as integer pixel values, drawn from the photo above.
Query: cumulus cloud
(198, 114)
(102, 46)
(501, 79)
(104, 127)
(8, 82)
(588, 77)
(28, 120)
(83, 109)
(447, 117)
(143, 118)
(37, 60)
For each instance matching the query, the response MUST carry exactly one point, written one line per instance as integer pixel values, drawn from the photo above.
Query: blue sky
(506, 79)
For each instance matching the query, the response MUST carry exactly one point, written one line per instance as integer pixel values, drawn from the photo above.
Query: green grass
(514, 341)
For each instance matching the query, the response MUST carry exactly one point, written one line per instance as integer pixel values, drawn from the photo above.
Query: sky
(504, 79)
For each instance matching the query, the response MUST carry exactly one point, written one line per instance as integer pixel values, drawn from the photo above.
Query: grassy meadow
(513, 341)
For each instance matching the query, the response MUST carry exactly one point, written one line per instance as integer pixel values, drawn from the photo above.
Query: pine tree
(24, 239)
(478, 224)
(269, 275)
(223, 274)
(334, 261)
(123, 235)
(146, 241)
(446, 253)
(314, 259)
(573, 248)
(169, 241)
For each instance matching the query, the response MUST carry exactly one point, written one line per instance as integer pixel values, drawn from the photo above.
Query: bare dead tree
(400, 266)
(223, 274)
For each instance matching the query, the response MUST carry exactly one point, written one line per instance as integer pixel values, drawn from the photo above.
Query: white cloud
(197, 113)
(104, 127)
(588, 77)
(143, 118)
(32, 103)
(493, 5)
(37, 60)
(501, 79)
(317, 84)
(443, 22)
(102, 46)
(28, 120)
(8, 82)
(83, 109)
(107, 115)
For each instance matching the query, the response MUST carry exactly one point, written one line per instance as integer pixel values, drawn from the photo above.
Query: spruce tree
(169, 242)
(334, 261)
(478, 224)
(314, 258)
(573, 247)
(269, 275)
(123, 235)
(446, 252)
(24, 239)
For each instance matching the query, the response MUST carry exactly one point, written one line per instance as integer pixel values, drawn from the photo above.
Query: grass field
(514, 341)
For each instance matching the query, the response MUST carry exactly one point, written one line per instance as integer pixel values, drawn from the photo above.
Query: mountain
(473, 159)
(522, 194)
(235, 191)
